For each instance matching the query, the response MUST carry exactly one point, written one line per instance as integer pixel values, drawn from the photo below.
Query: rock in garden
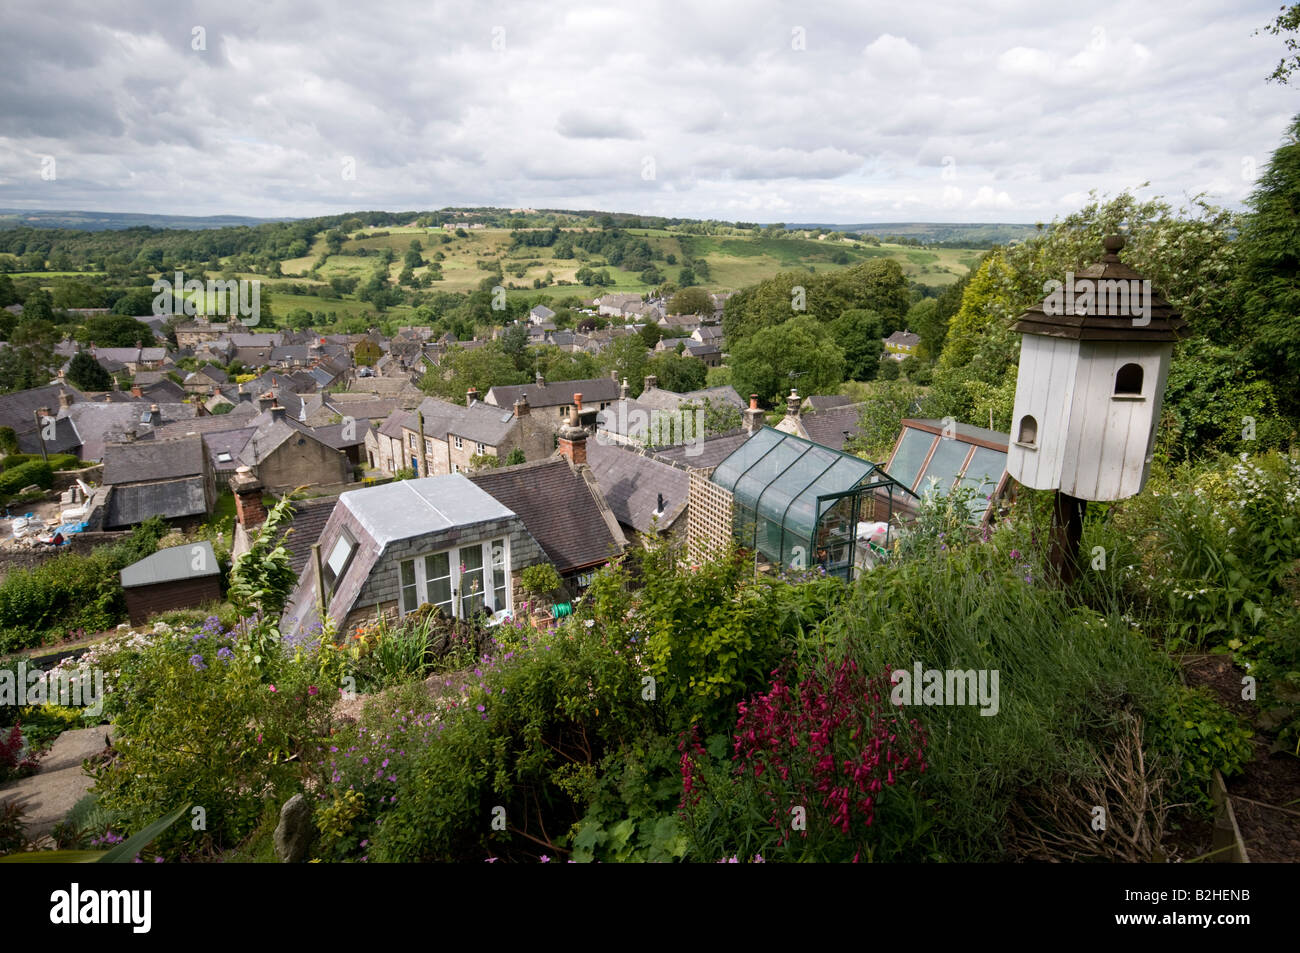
(293, 835)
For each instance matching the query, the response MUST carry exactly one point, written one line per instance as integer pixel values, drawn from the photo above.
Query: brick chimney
(521, 406)
(136, 391)
(651, 382)
(277, 412)
(266, 401)
(753, 415)
(623, 390)
(249, 509)
(572, 438)
(792, 404)
(471, 396)
(541, 380)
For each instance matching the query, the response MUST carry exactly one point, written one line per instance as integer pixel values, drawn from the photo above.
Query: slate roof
(706, 453)
(171, 499)
(309, 519)
(632, 481)
(99, 424)
(149, 460)
(554, 393)
(827, 427)
(904, 339)
(171, 565)
(819, 402)
(560, 509)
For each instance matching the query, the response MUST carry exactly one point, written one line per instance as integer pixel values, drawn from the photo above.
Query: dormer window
(1027, 436)
(1128, 381)
(340, 558)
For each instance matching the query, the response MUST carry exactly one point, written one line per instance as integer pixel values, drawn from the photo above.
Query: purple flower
(225, 654)
(544, 859)
(197, 661)
(1015, 554)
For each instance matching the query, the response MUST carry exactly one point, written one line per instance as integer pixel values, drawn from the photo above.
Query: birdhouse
(1094, 356)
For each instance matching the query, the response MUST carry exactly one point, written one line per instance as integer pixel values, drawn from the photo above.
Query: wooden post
(1067, 531)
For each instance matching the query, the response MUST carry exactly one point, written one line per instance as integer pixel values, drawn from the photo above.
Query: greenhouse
(802, 505)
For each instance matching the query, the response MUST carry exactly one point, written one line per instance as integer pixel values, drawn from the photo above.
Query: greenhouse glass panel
(744, 457)
(766, 470)
(944, 465)
(912, 451)
(983, 474)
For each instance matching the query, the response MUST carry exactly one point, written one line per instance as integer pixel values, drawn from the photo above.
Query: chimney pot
(471, 395)
(753, 402)
(792, 403)
(651, 382)
(541, 380)
(623, 390)
(521, 406)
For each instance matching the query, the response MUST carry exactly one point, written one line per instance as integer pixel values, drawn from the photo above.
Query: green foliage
(1269, 282)
(1200, 736)
(14, 478)
(461, 369)
(691, 301)
(557, 704)
(859, 335)
(540, 580)
(800, 353)
(881, 420)
(86, 373)
(196, 722)
(71, 591)
(677, 372)
(262, 580)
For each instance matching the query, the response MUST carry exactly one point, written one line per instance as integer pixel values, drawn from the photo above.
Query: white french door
(461, 582)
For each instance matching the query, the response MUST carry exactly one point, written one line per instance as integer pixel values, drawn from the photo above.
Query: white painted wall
(1045, 391)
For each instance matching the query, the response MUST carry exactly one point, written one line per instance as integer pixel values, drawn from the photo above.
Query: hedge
(25, 474)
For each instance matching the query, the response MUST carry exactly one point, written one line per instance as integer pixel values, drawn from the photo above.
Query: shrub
(16, 759)
(540, 580)
(36, 472)
(822, 758)
(197, 724)
(514, 739)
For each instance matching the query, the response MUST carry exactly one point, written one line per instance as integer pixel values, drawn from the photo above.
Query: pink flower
(313, 690)
(273, 688)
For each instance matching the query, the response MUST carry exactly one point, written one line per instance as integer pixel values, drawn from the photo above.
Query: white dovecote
(1094, 356)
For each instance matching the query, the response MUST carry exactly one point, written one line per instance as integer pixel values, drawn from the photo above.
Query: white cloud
(556, 105)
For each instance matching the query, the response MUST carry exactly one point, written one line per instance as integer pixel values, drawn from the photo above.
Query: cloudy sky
(826, 112)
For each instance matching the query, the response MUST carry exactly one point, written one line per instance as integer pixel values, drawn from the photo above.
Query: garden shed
(802, 505)
(179, 577)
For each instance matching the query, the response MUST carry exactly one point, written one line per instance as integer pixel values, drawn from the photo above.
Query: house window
(460, 444)
(1128, 381)
(481, 449)
(428, 445)
(1028, 434)
(461, 582)
(340, 558)
(224, 457)
(414, 445)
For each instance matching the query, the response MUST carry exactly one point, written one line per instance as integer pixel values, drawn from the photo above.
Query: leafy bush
(513, 740)
(821, 761)
(540, 580)
(1200, 735)
(33, 472)
(72, 590)
(198, 724)
(16, 759)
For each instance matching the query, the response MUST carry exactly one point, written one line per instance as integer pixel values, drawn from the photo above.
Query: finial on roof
(1112, 244)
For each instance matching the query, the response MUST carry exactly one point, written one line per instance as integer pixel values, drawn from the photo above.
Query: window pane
(947, 460)
(906, 464)
(410, 601)
(471, 580)
(437, 574)
(498, 550)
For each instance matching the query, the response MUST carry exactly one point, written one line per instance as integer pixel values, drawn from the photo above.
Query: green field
(734, 262)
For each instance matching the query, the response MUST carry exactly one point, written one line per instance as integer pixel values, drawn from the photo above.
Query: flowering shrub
(197, 724)
(15, 759)
(825, 758)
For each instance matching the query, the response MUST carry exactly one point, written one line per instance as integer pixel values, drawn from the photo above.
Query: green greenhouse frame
(798, 503)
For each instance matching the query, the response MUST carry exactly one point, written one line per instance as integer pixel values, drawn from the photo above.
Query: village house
(901, 344)
(169, 478)
(554, 401)
(389, 549)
